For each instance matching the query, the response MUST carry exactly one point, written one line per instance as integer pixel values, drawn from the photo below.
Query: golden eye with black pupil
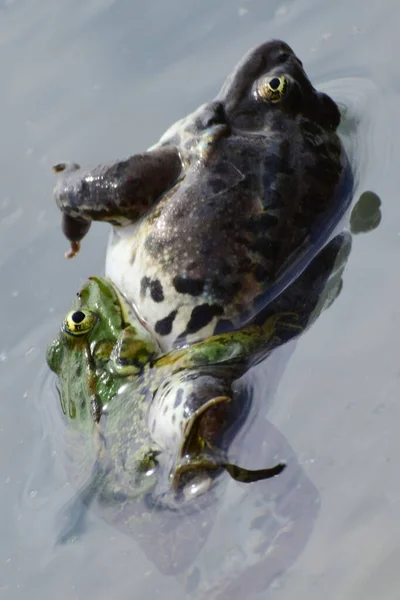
(79, 322)
(272, 89)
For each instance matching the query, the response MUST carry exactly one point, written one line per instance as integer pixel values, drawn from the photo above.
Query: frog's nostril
(219, 115)
(214, 114)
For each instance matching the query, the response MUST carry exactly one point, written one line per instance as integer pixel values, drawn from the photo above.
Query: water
(100, 79)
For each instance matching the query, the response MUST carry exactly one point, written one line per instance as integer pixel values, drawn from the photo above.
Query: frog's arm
(235, 348)
(118, 193)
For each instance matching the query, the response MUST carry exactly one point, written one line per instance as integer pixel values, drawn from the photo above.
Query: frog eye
(272, 89)
(79, 322)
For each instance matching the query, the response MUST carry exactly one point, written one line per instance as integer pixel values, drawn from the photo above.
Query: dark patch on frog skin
(201, 316)
(178, 398)
(225, 289)
(188, 285)
(156, 289)
(164, 326)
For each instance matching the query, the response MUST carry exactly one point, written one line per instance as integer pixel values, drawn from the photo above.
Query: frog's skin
(149, 432)
(227, 209)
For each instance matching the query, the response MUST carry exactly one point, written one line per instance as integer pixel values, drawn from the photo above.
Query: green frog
(214, 221)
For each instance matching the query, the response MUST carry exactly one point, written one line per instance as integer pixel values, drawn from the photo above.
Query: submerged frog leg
(74, 513)
(119, 192)
(198, 452)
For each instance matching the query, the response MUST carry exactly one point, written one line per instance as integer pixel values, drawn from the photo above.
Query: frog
(149, 432)
(213, 222)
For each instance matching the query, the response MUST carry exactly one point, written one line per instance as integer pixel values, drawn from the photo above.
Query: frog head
(270, 85)
(100, 341)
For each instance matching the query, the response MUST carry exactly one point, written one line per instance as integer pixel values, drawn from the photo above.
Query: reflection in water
(261, 528)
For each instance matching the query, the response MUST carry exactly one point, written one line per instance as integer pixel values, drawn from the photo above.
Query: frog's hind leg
(74, 514)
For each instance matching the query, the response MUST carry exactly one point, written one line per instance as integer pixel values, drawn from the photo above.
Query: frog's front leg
(119, 192)
(236, 349)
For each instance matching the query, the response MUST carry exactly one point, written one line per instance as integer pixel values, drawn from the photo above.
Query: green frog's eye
(272, 89)
(79, 322)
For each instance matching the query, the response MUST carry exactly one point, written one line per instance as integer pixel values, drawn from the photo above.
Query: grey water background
(99, 79)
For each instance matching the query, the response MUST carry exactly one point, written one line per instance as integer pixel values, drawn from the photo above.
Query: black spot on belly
(156, 291)
(202, 315)
(178, 398)
(164, 326)
(188, 285)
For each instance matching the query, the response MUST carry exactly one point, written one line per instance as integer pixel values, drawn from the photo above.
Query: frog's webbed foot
(250, 476)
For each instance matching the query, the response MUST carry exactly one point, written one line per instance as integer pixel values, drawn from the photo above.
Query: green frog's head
(100, 343)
